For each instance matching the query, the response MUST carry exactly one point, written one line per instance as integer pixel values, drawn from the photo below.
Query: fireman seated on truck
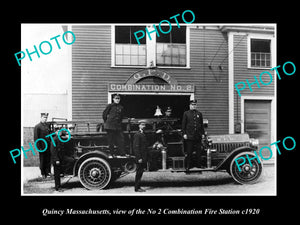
(165, 124)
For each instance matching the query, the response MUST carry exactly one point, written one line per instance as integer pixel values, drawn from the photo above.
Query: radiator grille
(228, 147)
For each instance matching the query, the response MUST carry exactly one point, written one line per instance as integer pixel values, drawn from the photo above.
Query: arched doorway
(146, 89)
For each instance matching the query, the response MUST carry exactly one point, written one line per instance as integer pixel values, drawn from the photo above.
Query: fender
(228, 158)
(85, 156)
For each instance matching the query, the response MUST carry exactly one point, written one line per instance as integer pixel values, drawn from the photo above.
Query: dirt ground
(156, 183)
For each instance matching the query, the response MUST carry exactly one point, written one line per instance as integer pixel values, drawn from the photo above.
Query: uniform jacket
(165, 125)
(192, 124)
(61, 149)
(57, 151)
(41, 130)
(140, 146)
(112, 116)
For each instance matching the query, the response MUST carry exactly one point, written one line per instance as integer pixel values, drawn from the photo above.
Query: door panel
(258, 122)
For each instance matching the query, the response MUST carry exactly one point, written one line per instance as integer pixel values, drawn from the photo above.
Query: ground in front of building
(157, 183)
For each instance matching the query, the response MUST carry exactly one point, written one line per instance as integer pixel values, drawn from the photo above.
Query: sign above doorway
(136, 83)
(113, 87)
(144, 73)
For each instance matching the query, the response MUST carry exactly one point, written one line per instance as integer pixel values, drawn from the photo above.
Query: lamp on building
(152, 66)
(157, 112)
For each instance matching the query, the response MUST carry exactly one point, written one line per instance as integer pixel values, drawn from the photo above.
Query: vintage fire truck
(96, 167)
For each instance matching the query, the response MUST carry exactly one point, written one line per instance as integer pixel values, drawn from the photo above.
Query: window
(127, 51)
(171, 47)
(260, 52)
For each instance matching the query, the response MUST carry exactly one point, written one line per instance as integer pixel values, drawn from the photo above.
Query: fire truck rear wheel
(95, 173)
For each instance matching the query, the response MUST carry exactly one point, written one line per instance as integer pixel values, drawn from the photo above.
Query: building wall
(92, 71)
(209, 50)
(258, 105)
(45, 81)
(35, 103)
(242, 72)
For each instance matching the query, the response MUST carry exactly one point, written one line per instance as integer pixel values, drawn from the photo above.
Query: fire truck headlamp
(254, 142)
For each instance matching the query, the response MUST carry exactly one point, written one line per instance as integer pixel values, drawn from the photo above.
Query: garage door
(258, 122)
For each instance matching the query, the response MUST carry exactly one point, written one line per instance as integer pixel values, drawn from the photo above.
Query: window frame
(187, 50)
(172, 44)
(272, 50)
(172, 55)
(150, 57)
(114, 55)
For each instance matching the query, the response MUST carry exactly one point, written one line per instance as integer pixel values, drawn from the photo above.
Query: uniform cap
(169, 109)
(142, 121)
(44, 114)
(193, 101)
(116, 95)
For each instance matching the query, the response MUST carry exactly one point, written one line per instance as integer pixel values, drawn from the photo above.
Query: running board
(194, 170)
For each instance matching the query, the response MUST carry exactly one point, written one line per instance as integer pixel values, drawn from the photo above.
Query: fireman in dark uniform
(193, 131)
(41, 130)
(112, 116)
(140, 151)
(62, 156)
(166, 125)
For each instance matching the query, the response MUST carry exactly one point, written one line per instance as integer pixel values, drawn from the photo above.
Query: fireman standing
(193, 131)
(112, 116)
(62, 156)
(140, 151)
(41, 130)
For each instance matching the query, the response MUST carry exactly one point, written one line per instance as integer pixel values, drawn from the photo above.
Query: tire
(248, 174)
(130, 167)
(94, 173)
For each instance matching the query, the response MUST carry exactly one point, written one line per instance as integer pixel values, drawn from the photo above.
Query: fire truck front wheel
(95, 173)
(242, 171)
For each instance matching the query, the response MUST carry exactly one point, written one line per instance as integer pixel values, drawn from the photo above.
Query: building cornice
(267, 29)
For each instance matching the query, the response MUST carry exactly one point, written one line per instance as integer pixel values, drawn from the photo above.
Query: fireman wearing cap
(164, 126)
(193, 131)
(62, 156)
(167, 125)
(140, 151)
(41, 130)
(112, 116)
